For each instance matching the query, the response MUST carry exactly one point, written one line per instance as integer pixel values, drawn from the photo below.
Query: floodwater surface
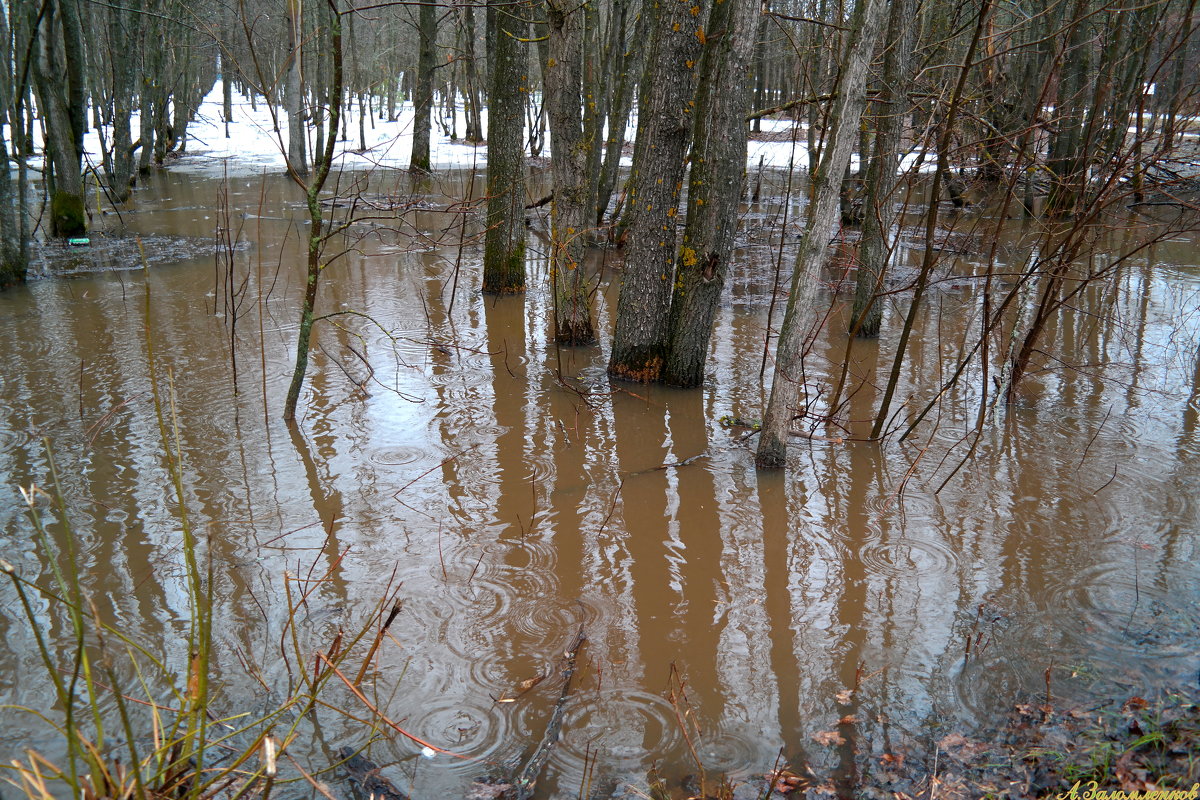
(449, 455)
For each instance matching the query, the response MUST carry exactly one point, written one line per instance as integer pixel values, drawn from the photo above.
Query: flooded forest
(630, 399)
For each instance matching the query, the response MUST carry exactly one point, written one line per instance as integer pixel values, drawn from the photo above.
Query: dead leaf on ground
(828, 738)
(960, 746)
(844, 696)
(786, 781)
(1134, 703)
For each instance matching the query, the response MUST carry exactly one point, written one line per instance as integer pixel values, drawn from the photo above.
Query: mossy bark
(504, 242)
(67, 214)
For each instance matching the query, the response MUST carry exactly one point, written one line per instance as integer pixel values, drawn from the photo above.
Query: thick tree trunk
(56, 69)
(1068, 160)
(800, 317)
(665, 120)
(13, 264)
(504, 242)
(423, 91)
(150, 90)
(875, 250)
(715, 187)
(569, 150)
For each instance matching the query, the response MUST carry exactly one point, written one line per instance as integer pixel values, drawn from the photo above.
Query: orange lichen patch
(688, 256)
(700, 35)
(649, 371)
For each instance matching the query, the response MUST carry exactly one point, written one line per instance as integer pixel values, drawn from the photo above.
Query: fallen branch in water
(526, 780)
(374, 710)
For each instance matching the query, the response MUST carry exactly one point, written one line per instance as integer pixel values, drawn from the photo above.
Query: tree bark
(799, 318)
(297, 154)
(122, 39)
(715, 187)
(665, 120)
(61, 103)
(569, 150)
(423, 91)
(504, 242)
(874, 249)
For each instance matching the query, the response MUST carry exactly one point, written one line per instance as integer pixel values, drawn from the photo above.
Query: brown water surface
(513, 494)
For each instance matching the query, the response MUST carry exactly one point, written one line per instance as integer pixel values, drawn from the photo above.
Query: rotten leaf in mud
(960, 746)
(1131, 778)
(844, 696)
(849, 719)
(828, 738)
(1134, 703)
(892, 759)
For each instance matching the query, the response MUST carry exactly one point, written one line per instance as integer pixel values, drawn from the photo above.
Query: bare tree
(504, 242)
(665, 120)
(714, 189)
(570, 149)
(800, 318)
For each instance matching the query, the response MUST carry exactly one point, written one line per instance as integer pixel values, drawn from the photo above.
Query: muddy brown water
(509, 494)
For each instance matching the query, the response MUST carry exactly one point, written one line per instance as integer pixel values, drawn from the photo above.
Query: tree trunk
(423, 91)
(665, 122)
(316, 239)
(471, 78)
(874, 249)
(1067, 160)
(715, 187)
(504, 242)
(13, 263)
(293, 92)
(56, 70)
(569, 150)
(625, 64)
(800, 317)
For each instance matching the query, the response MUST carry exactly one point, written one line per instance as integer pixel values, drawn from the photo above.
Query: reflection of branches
(371, 370)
